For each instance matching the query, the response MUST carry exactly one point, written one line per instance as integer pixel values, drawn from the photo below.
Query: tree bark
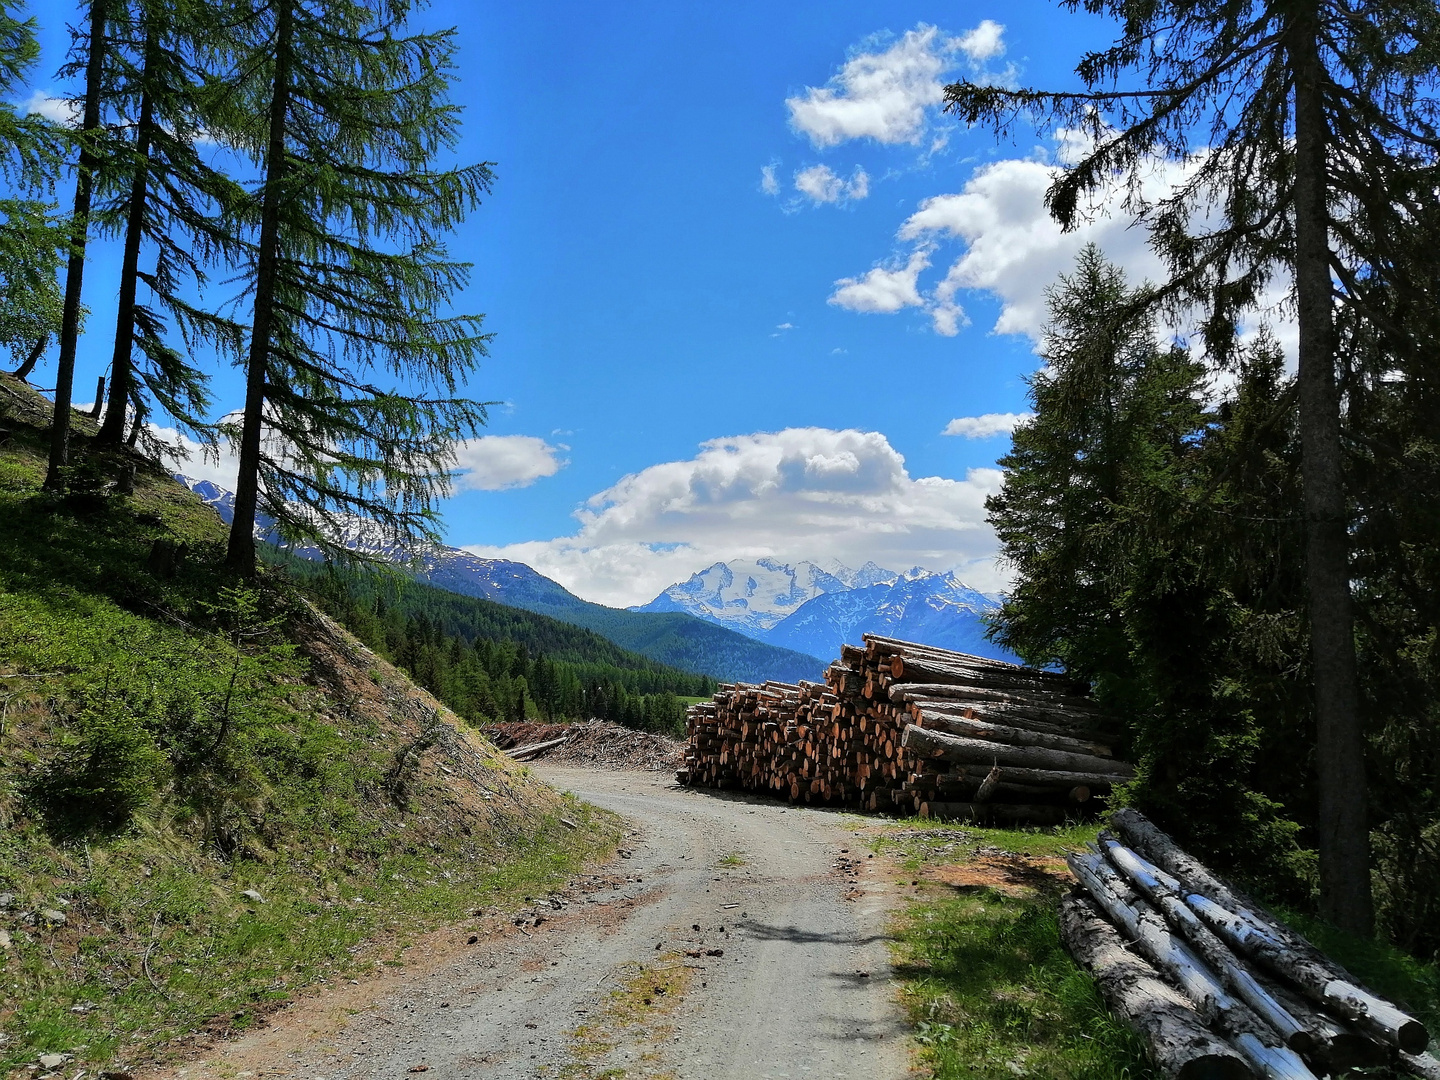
(931, 744)
(1344, 843)
(23, 371)
(75, 269)
(240, 555)
(1181, 1045)
(112, 431)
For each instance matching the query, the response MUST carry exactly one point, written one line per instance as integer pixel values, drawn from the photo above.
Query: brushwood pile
(908, 728)
(1215, 985)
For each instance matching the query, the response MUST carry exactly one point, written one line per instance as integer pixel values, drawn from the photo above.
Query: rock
(50, 915)
(7, 901)
(4, 939)
(52, 1061)
(253, 896)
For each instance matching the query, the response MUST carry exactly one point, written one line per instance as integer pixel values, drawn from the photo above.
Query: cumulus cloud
(182, 454)
(498, 462)
(797, 493)
(880, 95)
(985, 42)
(55, 109)
(985, 426)
(820, 184)
(884, 289)
(768, 184)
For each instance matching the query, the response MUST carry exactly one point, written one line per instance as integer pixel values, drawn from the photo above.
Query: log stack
(899, 726)
(1216, 985)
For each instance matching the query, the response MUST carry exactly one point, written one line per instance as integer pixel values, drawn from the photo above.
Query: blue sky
(715, 262)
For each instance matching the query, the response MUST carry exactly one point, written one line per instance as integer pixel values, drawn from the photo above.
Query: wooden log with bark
(1180, 1043)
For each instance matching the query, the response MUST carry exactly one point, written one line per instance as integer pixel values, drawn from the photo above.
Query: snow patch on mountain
(751, 595)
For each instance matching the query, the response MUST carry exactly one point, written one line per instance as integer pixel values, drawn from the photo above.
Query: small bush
(108, 769)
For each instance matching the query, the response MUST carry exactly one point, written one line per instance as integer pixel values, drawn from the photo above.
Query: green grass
(917, 842)
(990, 991)
(169, 740)
(993, 996)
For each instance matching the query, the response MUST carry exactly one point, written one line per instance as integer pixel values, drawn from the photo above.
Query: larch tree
(30, 304)
(1294, 120)
(88, 55)
(167, 201)
(354, 364)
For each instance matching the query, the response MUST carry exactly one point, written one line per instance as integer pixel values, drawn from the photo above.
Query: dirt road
(785, 977)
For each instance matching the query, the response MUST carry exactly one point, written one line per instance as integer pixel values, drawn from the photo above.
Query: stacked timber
(1216, 985)
(899, 726)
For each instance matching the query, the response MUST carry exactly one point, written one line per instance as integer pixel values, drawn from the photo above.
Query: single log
(982, 813)
(1165, 893)
(1246, 927)
(1179, 1042)
(936, 720)
(1076, 726)
(1047, 700)
(1059, 778)
(894, 647)
(979, 752)
(535, 748)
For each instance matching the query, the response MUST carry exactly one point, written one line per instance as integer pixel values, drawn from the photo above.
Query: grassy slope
(353, 803)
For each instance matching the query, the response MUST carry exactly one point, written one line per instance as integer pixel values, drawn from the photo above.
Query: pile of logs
(909, 728)
(1215, 985)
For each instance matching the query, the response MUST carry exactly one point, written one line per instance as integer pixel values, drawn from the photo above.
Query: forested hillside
(492, 662)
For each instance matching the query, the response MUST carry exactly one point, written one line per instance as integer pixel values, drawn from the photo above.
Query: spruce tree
(1295, 118)
(353, 366)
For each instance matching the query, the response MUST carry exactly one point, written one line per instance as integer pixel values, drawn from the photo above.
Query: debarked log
(934, 744)
(1179, 1042)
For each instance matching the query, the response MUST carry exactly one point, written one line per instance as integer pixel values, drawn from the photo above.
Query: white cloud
(768, 184)
(56, 110)
(497, 462)
(877, 95)
(884, 289)
(799, 493)
(820, 184)
(985, 42)
(785, 326)
(185, 455)
(986, 426)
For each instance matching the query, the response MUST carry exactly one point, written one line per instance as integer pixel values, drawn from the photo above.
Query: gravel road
(786, 977)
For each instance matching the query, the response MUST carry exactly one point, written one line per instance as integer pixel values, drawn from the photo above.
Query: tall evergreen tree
(346, 111)
(1293, 116)
(164, 196)
(30, 305)
(89, 55)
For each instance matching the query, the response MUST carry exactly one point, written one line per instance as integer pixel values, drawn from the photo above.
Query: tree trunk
(1181, 1045)
(75, 269)
(1344, 842)
(112, 431)
(240, 555)
(934, 744)
(23, 371)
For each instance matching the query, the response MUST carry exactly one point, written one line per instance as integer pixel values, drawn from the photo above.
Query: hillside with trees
(490, 662)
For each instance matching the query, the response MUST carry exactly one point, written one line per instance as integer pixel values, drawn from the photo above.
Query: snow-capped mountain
(936, 609)
(816, 607)
(751, 595)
